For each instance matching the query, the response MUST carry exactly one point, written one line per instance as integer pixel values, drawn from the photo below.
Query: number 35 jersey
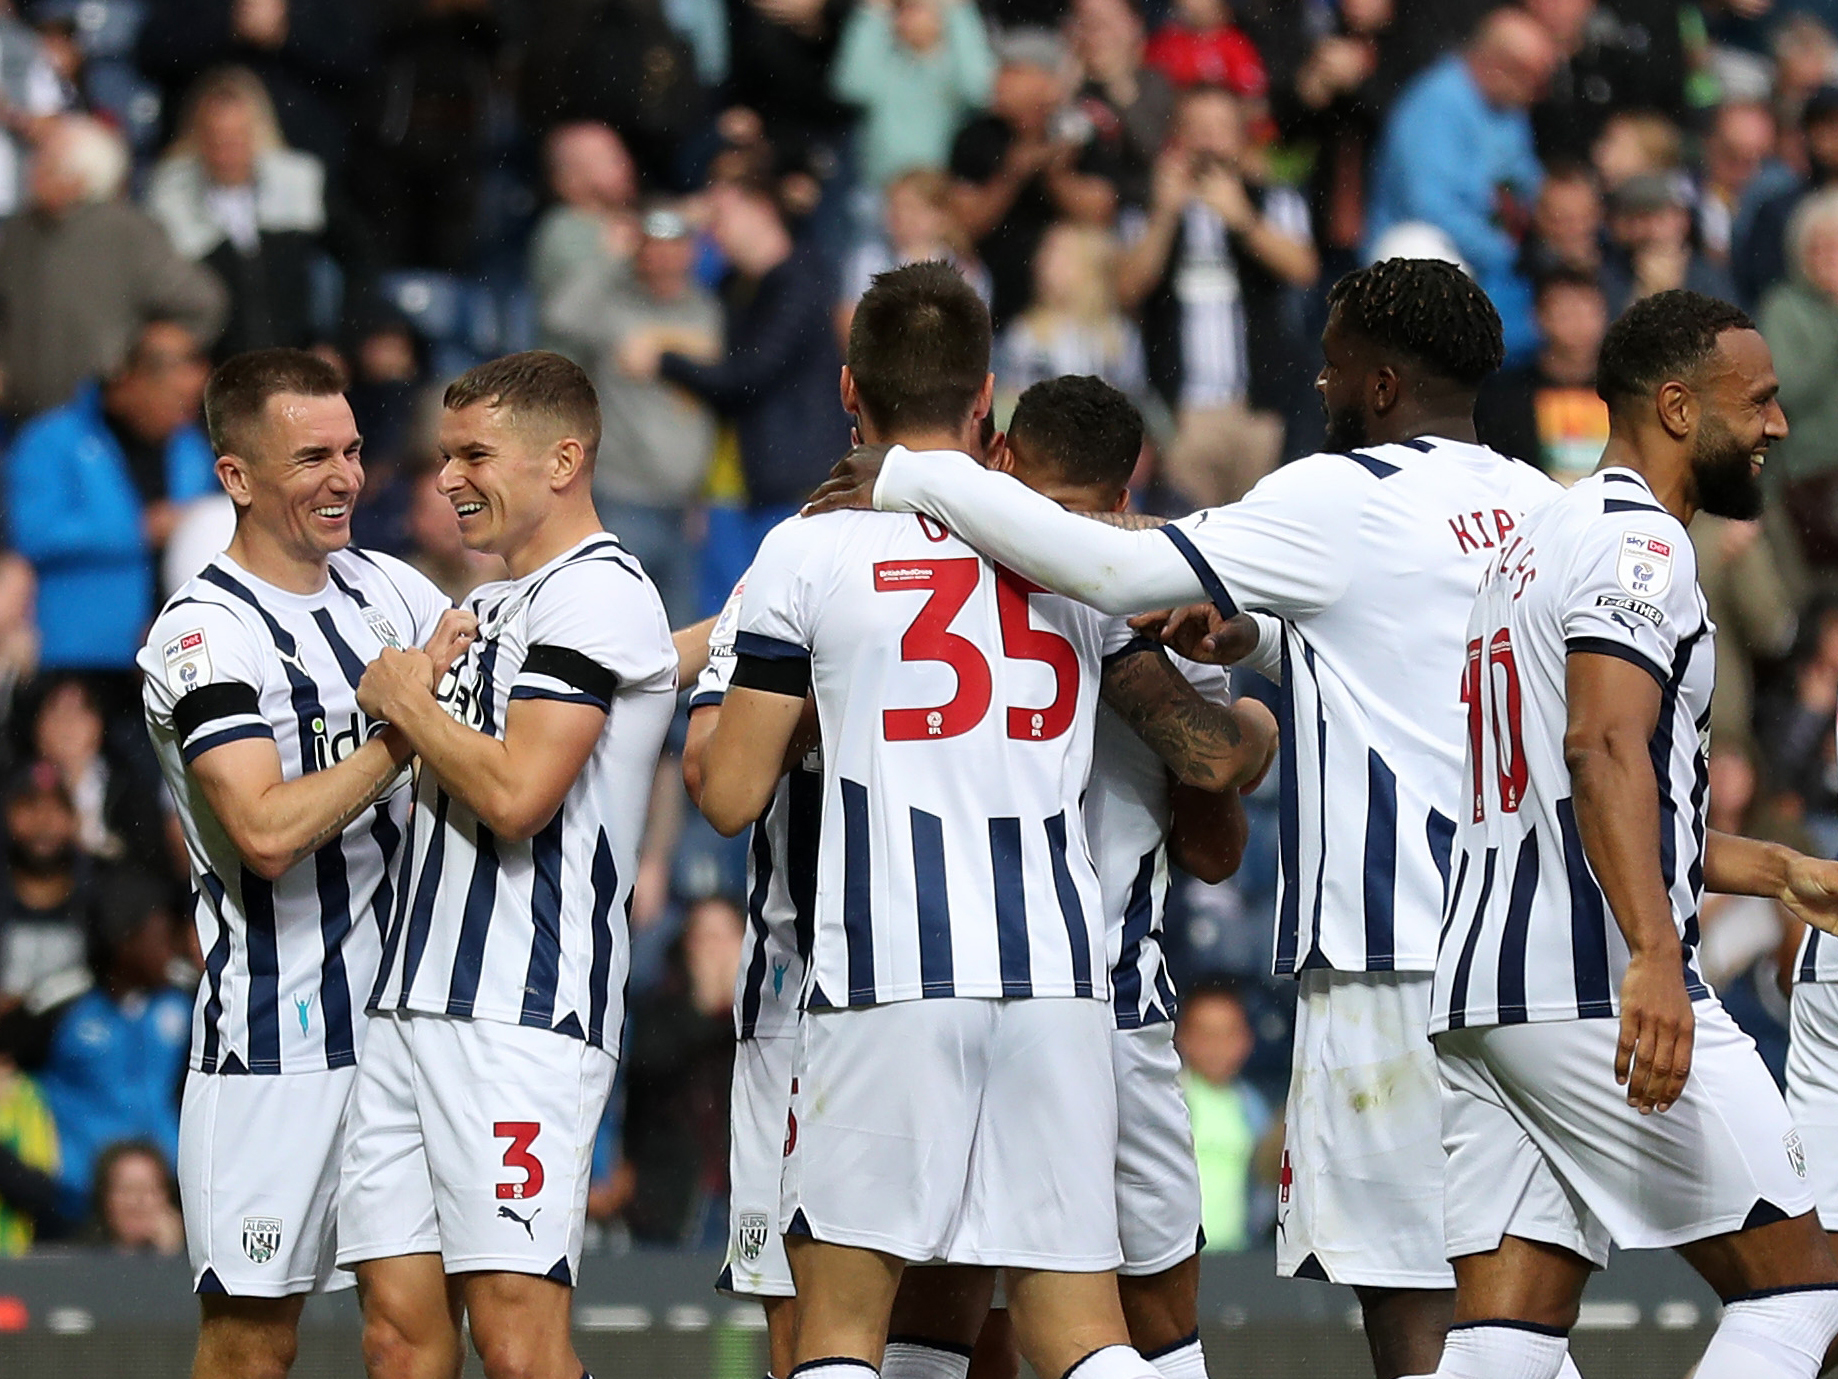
(1527, 933)
(957, 705)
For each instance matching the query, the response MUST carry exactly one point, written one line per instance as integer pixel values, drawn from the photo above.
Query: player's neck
(269, 561)
(1670, 481)
(1448, 426)
(562, 530)
(916, 438)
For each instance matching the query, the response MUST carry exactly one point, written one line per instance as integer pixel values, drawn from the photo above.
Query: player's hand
(456, 630)
(1200, 633)
(851, 482)
(1811, 892)
(392, 682)
(1654, 1056)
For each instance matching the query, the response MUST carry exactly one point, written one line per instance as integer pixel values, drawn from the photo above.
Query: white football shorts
(1360, 1201)
(473, 1139)
(1543, 1145)
(1812, 1089)
(258, 1181)
(975, 1131)
(1158, 1182)
(759, 1106)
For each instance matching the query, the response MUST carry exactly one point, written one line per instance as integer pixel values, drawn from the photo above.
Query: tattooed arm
(1212, 746)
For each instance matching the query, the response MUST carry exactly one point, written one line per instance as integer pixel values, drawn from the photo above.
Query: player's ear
(566, 462)
(1677, 408)
(1384, 388)
(851, 400)
(985, 398)
(233, 474)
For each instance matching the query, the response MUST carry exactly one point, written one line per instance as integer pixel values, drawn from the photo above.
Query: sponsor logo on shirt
(187, 659)
(1640, 608)
(1645, 567)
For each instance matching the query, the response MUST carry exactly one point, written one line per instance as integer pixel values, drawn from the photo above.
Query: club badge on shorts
(751, 1235)
(261, 1238)
(1645, 567)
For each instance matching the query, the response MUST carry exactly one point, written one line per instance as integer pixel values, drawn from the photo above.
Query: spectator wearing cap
(1759, 257)
(48, 882)
(94, 488)
(593, 225)
(1031, 161)
(1457, 153)
(107, 1043)
(656, 438)
(776, 380)
(82, 269)
(917, 69)
(1652, 244)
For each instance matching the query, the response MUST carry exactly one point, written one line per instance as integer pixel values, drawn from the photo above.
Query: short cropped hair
(1669, 335)
(1088, 431)
(533, 383)
(919, 347)
(239, 389)
(1427, 309)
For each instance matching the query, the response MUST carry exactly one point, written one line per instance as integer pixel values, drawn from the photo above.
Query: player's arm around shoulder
(205, 670)
(1207, 744)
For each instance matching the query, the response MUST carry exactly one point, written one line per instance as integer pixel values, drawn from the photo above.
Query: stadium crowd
(688, 199)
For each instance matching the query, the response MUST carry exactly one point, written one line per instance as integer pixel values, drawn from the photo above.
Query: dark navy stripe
(1511, 988)
(1809, 960)
(560, 697)
(1441, 834)
(1170, 1003)
(214, 963)
(1077, 936)
(1203, 571)
(1377, 468)
(192, 751)
(759, 857)
(1588, 922)
(1602, 646)
(485, 684)
(1138, 916)
(393, 938)
(1316, 958)
(350, 664)
(604, 876)
(1464, 966)
(857, 894)
(1289, 824)
(421, 914)
(1418, 444)
(544, 972)
(936, 974)
(350, 591)
(768, 648)
(1381, 871)
(387, 837)
(1135, 646)
(475, 924)
(803, 834)
(1659, 750)
(1012, 947)
(1451, 905)
(1613, 505)
(705, 699)
(1612, 477)
(264, 974)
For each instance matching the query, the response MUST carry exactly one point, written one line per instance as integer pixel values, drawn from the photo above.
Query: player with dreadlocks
(1347, 576)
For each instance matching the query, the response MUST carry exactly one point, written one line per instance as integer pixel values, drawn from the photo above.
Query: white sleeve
(204, 669)
(777, 598)
(1267, 660)
(712, 684)
(593, 629)
(1633, 591)
(1288, 547)
(1113, 570)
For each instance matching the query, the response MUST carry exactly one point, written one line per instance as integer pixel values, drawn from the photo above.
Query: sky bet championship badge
(188, 661)
(1645, 567)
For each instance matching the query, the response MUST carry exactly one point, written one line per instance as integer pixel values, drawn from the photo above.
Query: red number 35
(520, 1133)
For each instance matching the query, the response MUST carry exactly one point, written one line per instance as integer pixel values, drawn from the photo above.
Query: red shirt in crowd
(1215, 57)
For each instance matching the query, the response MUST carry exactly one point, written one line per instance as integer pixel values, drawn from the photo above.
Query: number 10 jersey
(957, 705)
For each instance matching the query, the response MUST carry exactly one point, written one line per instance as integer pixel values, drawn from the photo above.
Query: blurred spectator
(1130, 104)
(917, 69)
(1072, 326)
(1207, 266)
(1738, 151)
(783, 77)
(1755, 616)
(30, 91)
(656, 439)
(1799, 317)
(1797, 726)
(1546, 412)
(593, 226)
(308, 54)
(1566, 232)
(1200, 46)
(435, 547)
(777, 381)
(1607, 61)
(108, 1045)
(231, 195)
(81, 270)
(28, 1163)
(678, 1062)
(95, 488)
(918, 223)
(1759, 260)
(118, 812)
(1029, 162)
(132, 1201)
(1229, 1117)
(1635, 143)
(48, 883)
(1456, 152)
(1652, 247)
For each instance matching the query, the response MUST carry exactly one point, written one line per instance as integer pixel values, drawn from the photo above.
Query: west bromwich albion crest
(384, 629)
(261, 1237)
(752, 1235)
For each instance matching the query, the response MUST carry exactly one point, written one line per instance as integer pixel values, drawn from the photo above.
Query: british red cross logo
(1288, 1176)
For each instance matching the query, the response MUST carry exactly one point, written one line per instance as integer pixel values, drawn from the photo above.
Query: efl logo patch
(261, 1238)
(1796, 1152)
(750, 1235)
(1645, 567)
(187, 658)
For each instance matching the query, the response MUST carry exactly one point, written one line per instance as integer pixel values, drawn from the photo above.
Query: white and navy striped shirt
(1370, 560)
(286, 963)
(1604, 569)
(1127, 817)
(534, 932)
(957, 705)
(781, 867)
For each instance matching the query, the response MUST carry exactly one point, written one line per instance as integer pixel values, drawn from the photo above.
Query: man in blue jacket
(93, 490)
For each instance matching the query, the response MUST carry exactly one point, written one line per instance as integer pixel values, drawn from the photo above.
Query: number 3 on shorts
(520, 1133)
